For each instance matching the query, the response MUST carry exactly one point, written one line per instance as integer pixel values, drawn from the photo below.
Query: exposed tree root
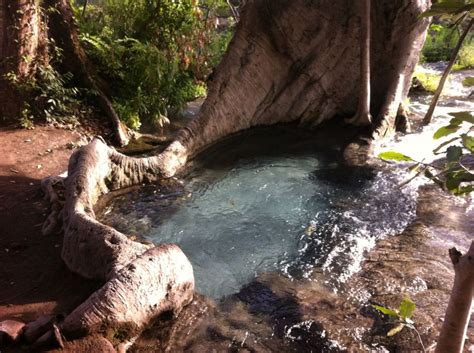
(142, 281)
(277, 69)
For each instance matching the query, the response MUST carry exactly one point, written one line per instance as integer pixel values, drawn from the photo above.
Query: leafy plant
(440, 41)
(400, 318)
(465, 58)
(468, 81)
(456, 173)
(428, 81)
(48, 95)
(153, 54)
(456, 11)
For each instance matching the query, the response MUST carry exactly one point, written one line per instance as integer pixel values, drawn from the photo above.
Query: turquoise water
(244, 210)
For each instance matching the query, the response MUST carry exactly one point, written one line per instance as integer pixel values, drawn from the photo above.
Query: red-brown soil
(33, 279)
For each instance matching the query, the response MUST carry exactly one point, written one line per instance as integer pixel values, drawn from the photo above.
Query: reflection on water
(243, 211)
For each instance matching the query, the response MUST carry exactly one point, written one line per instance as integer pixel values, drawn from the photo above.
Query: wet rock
(10, 331)
(357, 152)
(37, 328)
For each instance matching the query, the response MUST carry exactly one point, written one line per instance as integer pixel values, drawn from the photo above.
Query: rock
(10, 331)
(87, 344)
(37, 328)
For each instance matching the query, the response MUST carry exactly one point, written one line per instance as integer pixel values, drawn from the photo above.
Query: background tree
(458, 11)
(31, 35)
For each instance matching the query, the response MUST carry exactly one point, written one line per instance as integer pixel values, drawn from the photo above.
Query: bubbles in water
(293, 214)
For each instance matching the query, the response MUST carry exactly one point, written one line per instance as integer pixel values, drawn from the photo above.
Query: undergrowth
(441, 39)
(153, 55)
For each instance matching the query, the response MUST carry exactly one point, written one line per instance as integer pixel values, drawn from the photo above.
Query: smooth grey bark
(141, 280)
(363, 116)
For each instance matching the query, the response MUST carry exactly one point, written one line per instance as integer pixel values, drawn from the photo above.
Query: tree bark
(299, 61)
(25, 31)
(141, 280)
(363, 116)
(23, 47)
(456, 320)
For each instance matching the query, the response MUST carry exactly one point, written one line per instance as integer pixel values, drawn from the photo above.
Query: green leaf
(468, 142)
(407, 307)
(445, 131)
(395, 330)
(386, 311)
(468, 81)
(395, 156)
(453, 153)
(465, 189)
(468, 117)
(436, 150)
(455, 178)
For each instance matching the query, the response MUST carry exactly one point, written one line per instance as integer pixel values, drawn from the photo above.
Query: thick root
(142, 280)
(160, 280)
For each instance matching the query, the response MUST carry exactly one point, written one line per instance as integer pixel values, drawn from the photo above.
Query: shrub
(466, 57)
(440, 40)
(426, 81)
(153, 55)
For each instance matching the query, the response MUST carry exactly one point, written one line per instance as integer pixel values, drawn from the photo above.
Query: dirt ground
(33, 279)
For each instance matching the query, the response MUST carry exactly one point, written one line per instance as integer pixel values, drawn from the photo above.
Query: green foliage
(399, 318)
(26, 118)
(153, 54)
(395, 156)
(468, 82)
(440, 41)
(454, 10)
(465, 58)
(429, 82)
(455, 175)
(47, 95)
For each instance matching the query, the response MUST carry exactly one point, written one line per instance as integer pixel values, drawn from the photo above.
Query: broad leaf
(386, 311)
(468, 142)
(453, 153)
(436, 150)
(468, 117)
(395, 156)
(445, 131)
(407, 307)
(395, 330)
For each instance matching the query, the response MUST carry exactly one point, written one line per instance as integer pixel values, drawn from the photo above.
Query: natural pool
(266, 201)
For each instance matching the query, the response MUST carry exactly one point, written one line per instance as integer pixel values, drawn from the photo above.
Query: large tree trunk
(289, 61)
(23, 46)
(25, 31)
(299, 61)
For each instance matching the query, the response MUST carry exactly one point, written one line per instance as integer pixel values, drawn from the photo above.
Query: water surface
(271, 202)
